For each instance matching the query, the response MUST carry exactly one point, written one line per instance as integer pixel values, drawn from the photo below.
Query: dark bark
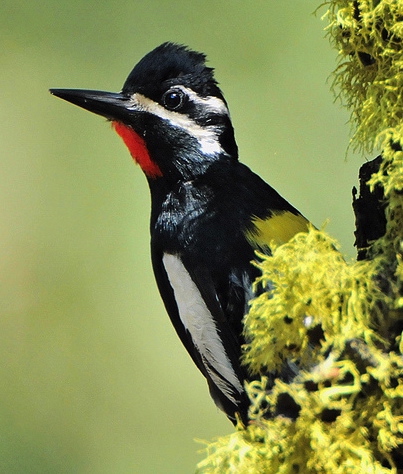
(369, 210)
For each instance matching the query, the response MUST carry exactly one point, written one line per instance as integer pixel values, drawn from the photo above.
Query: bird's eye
(173, 99)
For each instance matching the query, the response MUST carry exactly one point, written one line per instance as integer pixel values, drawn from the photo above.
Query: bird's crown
(168, 65)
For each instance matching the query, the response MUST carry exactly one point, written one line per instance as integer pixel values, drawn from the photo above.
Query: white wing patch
(198, 320)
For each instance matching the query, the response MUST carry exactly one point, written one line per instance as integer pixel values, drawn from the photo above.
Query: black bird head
(170, 113)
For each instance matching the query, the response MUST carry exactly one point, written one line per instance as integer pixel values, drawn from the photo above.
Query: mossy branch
(336, 325)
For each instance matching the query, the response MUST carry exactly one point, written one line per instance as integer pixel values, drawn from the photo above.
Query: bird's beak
(113, 106)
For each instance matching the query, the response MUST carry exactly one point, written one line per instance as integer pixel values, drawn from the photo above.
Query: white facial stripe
(209, 103)
(207, 137)
(198, 320)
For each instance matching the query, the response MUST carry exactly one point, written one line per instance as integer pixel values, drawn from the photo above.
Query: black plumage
(209, 212)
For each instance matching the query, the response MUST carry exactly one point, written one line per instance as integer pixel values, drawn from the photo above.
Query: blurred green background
(93, 377)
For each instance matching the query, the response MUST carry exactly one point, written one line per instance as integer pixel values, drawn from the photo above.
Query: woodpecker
(209, 212)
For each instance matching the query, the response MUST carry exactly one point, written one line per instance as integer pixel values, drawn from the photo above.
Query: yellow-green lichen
(313, 286)
(369, 79)
(342, 411)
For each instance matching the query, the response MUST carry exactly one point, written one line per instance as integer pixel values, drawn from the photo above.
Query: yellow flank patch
(278, 228)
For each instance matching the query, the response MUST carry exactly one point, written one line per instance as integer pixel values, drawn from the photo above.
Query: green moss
(369, 80)
(314, 286)
(341, 413)
(336, 325)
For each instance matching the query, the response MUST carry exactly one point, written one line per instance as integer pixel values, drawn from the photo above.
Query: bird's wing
(194, 307)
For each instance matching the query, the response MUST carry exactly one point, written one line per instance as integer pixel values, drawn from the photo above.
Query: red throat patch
(138, 149)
